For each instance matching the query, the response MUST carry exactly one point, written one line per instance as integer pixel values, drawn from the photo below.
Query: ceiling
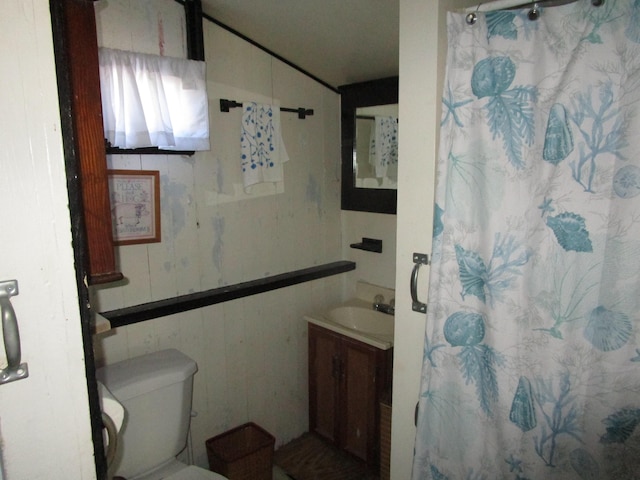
(337, 41)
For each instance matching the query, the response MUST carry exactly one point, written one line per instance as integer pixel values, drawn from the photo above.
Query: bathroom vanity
(347, 379)
(350, 371)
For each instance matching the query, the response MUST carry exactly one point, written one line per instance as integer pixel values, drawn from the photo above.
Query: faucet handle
(378, 299)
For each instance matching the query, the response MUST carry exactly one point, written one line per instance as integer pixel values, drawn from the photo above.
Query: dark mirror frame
(353, 96)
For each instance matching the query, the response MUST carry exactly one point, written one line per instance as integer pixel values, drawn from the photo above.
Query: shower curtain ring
(472, 17)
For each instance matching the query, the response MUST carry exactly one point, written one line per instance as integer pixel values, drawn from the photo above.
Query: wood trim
(146, 151)
(81, 48)
(195, 34)
(183, 303)
(363, 94)
(269, 52)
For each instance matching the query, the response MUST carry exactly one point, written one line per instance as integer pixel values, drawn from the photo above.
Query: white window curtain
(153, 101)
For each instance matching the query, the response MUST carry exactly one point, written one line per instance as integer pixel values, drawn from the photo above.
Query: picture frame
(134, 197)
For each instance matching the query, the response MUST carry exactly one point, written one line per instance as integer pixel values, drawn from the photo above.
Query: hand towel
(383, 148)
(261, 147)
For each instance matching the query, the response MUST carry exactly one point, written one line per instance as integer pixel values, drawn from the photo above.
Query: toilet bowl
(156, 392)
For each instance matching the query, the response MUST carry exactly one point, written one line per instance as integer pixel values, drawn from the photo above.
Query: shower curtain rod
(508, 4)
(225, 105)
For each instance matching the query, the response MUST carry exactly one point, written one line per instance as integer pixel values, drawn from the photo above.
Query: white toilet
(156, 391)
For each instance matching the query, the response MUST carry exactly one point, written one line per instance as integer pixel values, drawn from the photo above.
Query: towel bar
(225, 105)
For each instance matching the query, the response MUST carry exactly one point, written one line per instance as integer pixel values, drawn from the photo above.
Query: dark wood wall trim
(363, 94)
(183, 303)
(145, 151)
(194, 12)
(195, 35)
(273, 54)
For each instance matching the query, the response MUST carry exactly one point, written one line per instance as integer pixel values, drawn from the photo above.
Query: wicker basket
(243, 453)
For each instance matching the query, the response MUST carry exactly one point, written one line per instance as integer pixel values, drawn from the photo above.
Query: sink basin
(363, 320)
(358, 320)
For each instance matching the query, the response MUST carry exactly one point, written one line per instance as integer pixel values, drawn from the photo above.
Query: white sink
(362, 319)
(357, 319)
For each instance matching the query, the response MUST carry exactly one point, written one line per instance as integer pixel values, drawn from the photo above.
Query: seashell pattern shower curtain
(532, 347)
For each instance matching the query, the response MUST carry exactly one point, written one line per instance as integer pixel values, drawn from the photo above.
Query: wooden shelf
(183, 303)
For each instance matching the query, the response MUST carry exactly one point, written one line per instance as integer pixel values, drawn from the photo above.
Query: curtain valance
(153, 101)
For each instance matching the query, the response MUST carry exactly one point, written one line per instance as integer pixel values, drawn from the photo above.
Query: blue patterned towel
(262, 151)
(383, 147)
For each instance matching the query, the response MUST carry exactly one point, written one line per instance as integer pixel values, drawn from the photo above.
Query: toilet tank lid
(146, 373)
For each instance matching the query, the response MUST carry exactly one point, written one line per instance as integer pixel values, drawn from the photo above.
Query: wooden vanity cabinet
(347, 380)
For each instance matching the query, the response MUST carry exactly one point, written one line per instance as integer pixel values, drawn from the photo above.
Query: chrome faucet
(380, 306)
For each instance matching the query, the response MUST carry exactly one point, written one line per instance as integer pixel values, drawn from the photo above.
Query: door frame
(79, 241)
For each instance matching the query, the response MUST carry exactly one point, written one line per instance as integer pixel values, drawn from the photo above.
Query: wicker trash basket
(243, 453)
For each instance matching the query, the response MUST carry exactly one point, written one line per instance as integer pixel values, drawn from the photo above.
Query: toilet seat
(176, 470)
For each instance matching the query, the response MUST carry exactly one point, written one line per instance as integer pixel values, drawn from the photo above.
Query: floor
(311, 458)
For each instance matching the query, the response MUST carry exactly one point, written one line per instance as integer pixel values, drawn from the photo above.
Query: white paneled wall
(252, 352)
(375, 268)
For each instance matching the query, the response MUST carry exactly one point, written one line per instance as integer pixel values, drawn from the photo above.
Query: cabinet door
(324, 373)
(358, 430)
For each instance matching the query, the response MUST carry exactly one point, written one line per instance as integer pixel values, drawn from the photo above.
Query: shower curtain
(531, 365)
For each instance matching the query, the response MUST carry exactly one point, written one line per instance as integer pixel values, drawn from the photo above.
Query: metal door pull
(14, 370)
(418, 259)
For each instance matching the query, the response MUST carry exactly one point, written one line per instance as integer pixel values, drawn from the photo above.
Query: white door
(422, 61)
(45, 431)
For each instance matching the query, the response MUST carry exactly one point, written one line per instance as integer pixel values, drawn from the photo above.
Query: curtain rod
(225, 105)
(508, 4)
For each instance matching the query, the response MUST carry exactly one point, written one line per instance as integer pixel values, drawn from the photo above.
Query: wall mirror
(367, 185)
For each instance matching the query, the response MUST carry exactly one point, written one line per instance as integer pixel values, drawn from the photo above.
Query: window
(153, 101)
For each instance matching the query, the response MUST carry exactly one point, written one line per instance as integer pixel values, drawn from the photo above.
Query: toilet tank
(156, 391)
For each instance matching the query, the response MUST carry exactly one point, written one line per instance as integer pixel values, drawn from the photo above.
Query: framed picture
(135, 206)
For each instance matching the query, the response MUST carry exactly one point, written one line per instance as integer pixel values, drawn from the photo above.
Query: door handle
(418, 260)
(11, 335)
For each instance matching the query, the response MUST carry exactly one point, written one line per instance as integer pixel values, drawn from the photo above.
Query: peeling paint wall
(251, 353)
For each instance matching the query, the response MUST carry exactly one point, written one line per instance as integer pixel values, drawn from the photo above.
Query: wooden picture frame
(134, 196)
